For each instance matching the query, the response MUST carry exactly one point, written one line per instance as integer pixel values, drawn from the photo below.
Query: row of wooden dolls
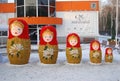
(18, 46)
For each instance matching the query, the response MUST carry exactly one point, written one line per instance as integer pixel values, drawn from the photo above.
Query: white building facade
(68, 16)
(81, 17)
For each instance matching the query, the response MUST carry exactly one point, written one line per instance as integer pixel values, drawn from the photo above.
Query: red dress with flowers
(73, 49)
(95, 52)
(48, 46)
(18, 43)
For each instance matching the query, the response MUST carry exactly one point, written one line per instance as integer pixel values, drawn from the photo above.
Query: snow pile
(62, 71)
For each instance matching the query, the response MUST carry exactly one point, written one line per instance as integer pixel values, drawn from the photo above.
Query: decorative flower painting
(48, 48)
(18, 43)
(73, 49)
(15, 49)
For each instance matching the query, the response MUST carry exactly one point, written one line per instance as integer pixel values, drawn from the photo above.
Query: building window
(29, 8)
(52, 11)
(3, 1)
(42, 2)
(20, 8)
(46, 8)
(33, 33)
(30, 2)
(3, 38)
(3, 33)
(20, 2)
(93, 5)
(52, 8)
(20, 11)
(43, 8)
(30, 11)
(43, 11)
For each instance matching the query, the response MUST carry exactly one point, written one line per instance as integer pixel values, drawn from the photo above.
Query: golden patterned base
(48, 54)
(74, 58)
(95, 57)
(18, 50)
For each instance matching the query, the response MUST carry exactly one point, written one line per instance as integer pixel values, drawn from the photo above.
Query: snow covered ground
(61, 71)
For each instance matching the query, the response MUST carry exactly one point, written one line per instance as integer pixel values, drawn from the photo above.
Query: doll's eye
(50, 36)
(19, 29)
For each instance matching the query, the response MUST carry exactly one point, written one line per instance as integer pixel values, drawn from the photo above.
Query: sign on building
(84, 23)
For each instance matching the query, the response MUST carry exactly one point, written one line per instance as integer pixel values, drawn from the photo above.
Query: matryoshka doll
(108, 55)
(95, 52)
(18, 43)
(73, 49)
(48, 48)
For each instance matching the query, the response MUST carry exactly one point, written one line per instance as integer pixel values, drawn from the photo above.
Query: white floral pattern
(74, 53)
(96, 54)
(15, 49)
(48, 53)
(109, 57)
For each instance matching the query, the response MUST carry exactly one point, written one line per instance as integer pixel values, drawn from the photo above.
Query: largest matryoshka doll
(18, 43)
(48, 48)
(95, 52)
(73, 49)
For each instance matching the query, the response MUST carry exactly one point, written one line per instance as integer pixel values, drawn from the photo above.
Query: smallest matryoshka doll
(95, 52)
(109, 55)
(48, 48)
(73, 49)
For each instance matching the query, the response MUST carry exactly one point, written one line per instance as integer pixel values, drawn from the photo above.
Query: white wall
(84, 23)
(4, 20)
(10, 1)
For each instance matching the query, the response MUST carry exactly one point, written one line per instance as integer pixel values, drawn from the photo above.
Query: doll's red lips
(15, 32)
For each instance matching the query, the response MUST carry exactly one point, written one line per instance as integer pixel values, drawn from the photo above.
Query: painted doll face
(73, 40)
(16, 30)
(47, 36)
(109, 51)
(95, 46)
